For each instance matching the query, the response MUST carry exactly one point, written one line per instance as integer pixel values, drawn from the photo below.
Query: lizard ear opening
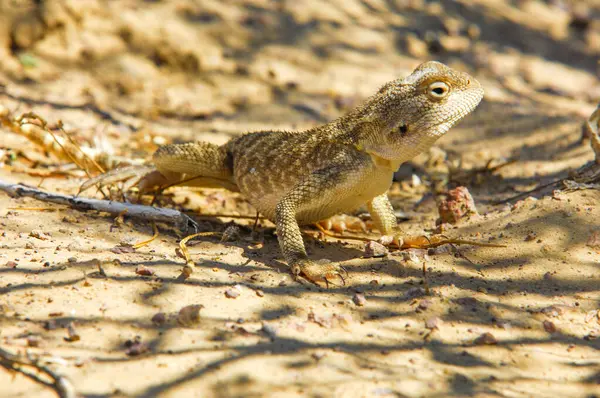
(400, 130)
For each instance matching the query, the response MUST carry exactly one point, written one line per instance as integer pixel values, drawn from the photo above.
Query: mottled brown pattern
(303, 177)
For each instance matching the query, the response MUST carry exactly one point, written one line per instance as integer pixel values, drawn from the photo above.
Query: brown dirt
(517, 322)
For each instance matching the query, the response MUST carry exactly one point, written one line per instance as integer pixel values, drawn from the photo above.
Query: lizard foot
(318, 272)
(389, 240)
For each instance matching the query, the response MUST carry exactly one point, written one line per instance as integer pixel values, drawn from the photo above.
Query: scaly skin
(296, 178)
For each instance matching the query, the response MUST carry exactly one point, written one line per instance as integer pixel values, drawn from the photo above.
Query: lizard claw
(389, 240)
(318, 273)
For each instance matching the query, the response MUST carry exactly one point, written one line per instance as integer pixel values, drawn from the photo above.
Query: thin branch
(146, 213)
(60, 384)
(420, 242)
(523, 194)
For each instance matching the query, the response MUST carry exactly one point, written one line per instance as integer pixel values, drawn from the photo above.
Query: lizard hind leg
(199, 164)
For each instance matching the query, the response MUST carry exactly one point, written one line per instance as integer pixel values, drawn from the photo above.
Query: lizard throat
(392, 165)
(392, 155)
(380, 161)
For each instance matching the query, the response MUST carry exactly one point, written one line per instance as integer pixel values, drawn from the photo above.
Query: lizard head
(408, 115)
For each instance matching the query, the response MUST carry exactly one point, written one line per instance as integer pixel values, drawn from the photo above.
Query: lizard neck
(380, 161)
(381, 138)
(399, 151)
(389, 148)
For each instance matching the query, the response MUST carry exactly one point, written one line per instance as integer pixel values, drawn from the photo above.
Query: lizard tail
(202, 163)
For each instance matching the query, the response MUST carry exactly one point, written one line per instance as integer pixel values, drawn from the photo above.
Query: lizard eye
(438, 90)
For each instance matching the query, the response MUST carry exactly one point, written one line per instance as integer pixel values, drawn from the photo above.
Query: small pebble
(470, 301)
(69, 219)
(486, 339)
(136, 347)
(189, 315)
(72, 334)
(232, 293)
(414, 292)
(269, 330)
(593, 315)
(549, 326)
(144, 271)
(433, 323)
(594, 239)
(36, 233)
(33, 341)
(359, 299)
(413, 257)
(186, 272)
(504, 325)
(375, 249)
(50, 324)
(159, 319)
(554, 310)
(458, 203)
(231, 233)
(424, 304)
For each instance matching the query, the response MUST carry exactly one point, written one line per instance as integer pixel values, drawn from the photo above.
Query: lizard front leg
(382, 214)
(307, 197)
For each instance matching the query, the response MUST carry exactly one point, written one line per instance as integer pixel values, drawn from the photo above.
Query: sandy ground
(518, 321)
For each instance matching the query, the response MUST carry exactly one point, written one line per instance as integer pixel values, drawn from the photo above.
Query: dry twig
(419, 242)
(60, 384)
(146, 213)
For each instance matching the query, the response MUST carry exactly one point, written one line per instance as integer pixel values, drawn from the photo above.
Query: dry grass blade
(425, 280)
(87, 157)
(78, 148)
(148, 241)
(436, 241)
(184, 250)
(116, 175)
(593, 125)
(35, 128)
(31, 209)
(344, 237)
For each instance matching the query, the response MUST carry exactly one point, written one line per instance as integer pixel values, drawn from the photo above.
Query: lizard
(297, 178)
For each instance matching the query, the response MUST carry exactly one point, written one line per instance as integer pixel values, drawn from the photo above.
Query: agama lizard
(295, 178)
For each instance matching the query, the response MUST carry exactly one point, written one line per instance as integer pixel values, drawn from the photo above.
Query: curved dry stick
(406, 245)
(60, 384)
